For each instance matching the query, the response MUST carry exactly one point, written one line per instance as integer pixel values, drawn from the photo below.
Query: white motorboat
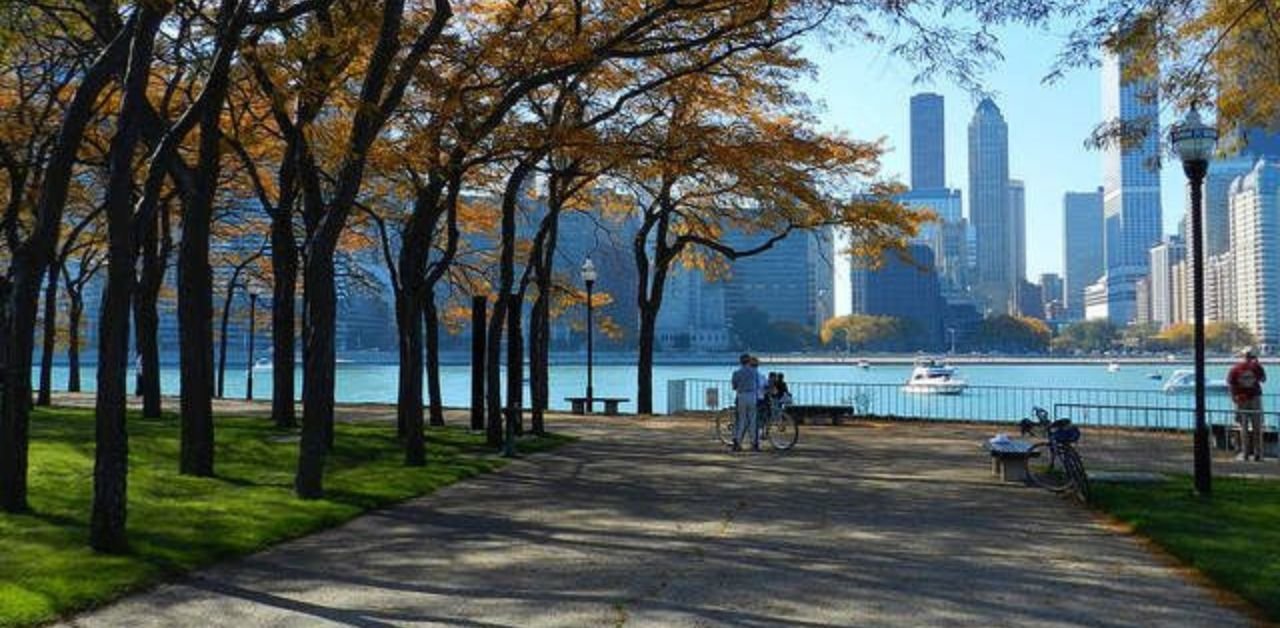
(1184, 381)
(1113, 367)
(864, 364)
(263, 364)
(934, 377)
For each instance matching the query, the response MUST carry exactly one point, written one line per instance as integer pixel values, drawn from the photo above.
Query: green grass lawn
(178, 523)
(1234, 538)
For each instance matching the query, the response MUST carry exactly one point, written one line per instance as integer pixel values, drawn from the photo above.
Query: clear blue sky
(865, 92)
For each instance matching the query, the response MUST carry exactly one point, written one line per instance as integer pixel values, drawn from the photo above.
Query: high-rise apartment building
(989, 206)
(1082, 257)
(1161, 284)
(1255, 231)
(1131, 185)
(928, 142)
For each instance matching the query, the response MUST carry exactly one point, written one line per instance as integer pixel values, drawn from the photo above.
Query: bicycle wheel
(1075, 469)
(723, 426)
(1046, 469)
(782, 432)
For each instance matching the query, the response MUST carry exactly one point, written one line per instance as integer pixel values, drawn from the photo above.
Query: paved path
(650, 524)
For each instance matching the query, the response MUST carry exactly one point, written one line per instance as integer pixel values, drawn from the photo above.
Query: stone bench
(582, 405)
(1009, 459)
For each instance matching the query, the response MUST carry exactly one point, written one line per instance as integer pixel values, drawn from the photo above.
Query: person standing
(746, 388)
(762, 402)
(1245, 382)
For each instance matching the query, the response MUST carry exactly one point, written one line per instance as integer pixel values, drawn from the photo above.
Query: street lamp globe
(1192, 139)
(588, 271)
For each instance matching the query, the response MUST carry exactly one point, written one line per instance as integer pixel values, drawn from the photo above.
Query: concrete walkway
(649, 523)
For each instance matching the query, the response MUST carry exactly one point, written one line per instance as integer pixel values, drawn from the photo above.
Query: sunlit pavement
(651, 523)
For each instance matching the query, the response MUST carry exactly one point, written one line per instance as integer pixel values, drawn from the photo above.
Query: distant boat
(1184, 381)
(933, 377)
(1113, 367)
(263, 364)
(864, 364)
(1155, 376)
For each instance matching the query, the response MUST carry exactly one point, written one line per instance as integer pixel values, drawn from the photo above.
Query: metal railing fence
(1148, 409)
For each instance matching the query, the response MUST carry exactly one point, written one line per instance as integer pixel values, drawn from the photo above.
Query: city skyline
(1051, 159)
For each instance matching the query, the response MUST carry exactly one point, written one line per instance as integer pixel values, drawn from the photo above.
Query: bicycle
(1054, 464)
(776, 425)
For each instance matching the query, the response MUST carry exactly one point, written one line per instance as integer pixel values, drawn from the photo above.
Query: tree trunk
(410, 406)
(111, 453)
(432, 323)
(478, 370)
(644, 365)
(515, 369)
(15, 415)
(195, 322)
(222, 340)
(493, 373)
(318, 371)
(146, 314)
(284, 268)
(535, 360)
(45, 396)
(403, 371)
(75, 311)
(4, 347)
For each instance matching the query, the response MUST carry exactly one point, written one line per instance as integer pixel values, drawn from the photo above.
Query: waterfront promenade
(647, 523)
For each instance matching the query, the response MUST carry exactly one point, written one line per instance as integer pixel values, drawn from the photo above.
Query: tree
(1178, 336)
(1227, 337)
(1013, 334)
(860, 331)
(1088, 336)
(29, 256)
(1220, 54)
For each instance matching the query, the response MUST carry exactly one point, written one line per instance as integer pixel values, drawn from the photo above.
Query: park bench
(1009, 459)
(799, 413)
(1232, 438)
(580, 405)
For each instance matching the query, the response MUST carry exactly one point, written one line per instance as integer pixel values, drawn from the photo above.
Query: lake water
(998, 390)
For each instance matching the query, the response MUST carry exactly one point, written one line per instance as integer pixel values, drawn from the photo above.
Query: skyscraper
(1018, 228)
(989, 205)
(908, 290)
(793, 281)
(928, 142)
(1248, 146)
(946, 236)
(1255, 250)
(1163, 258)
(1131, 185)
(1082, 257)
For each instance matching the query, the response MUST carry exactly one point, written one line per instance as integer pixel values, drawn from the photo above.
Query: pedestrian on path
(746, 388)
(1245, 381)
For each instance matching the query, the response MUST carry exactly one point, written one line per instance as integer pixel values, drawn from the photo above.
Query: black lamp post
(253, 328)
(1194, 141)
(589, 278)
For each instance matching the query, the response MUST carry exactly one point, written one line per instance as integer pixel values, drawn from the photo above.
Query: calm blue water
(377, 383)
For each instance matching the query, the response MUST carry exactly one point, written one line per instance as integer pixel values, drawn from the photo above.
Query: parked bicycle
(1054, 463)
(775, 424)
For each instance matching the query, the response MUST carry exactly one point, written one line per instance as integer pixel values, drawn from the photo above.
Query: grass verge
(178, 523)
(1233, 538)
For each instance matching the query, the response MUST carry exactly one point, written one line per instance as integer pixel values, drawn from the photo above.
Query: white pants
(745, 421)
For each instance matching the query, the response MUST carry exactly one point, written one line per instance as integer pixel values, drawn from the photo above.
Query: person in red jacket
(1245, 382)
